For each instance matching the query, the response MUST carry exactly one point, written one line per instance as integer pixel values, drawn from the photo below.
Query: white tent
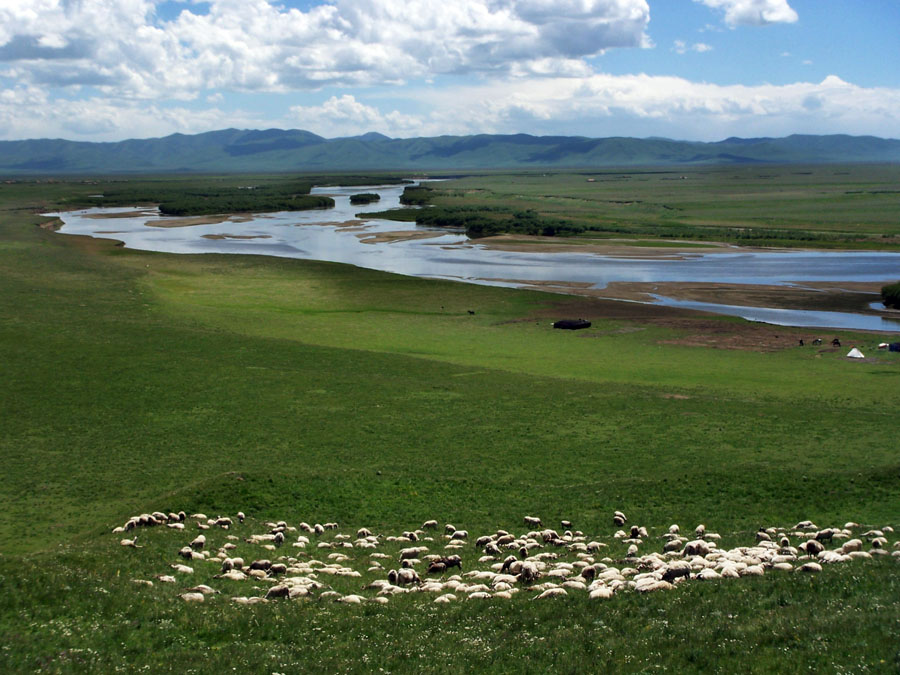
(855, 354)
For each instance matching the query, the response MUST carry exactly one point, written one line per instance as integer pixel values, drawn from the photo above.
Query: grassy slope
(136, 381)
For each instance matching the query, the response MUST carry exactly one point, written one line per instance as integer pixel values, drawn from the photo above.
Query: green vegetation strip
(283, 388)
(820, 207)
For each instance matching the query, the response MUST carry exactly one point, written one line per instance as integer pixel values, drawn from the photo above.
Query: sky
(107, 70)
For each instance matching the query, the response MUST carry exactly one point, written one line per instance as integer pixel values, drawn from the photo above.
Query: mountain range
(277, 150)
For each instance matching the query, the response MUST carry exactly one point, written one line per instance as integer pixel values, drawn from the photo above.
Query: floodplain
(318, 392)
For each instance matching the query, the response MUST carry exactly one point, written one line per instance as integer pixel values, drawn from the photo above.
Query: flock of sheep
(309, 561)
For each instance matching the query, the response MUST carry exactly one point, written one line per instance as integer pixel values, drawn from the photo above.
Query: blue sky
(689, 69)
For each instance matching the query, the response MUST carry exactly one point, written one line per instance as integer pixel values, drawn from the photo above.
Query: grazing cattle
(835, 343)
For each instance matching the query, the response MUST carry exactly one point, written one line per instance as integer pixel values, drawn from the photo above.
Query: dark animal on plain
(572, 324)
(452, 561)
(437, 567)
(801, 342)
(471, 312)
(673, 573)
(817, 341)
(835, 343)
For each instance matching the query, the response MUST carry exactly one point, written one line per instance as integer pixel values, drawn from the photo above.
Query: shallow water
(332, 235)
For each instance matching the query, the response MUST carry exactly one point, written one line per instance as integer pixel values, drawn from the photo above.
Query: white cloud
(597, 105)
(643, 105)
(681, 47)
(123, 48)
(753, 12)
(345, 116)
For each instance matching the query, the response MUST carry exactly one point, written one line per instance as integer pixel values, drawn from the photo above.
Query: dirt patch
(690, 328)
(391, 237)
(198, 220)
(120, 214)
(236, 236)
(52, 225)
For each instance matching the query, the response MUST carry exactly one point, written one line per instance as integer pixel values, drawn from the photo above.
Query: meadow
(826, 206)
(312, 391)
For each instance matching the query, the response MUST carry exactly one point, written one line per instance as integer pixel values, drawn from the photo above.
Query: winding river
(337, 235)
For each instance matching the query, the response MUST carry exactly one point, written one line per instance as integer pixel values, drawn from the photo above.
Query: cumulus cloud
(596, 105)
(259, 45)
(644, 105)
(345, 116)
(753, 12)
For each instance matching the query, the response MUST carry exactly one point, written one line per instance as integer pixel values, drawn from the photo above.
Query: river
(337, 235)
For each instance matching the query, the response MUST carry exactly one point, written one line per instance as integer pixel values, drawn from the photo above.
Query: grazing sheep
(279, 591)
(566, 524)
(601, 593)
(242, 600)
(810, 567)
(552, 593)
(204, 589)
(130, 542)
(241, 516)
(231, 575)
(183, 569)
(459, 535)
(532, 521)
(529, 572)
(812, 547)
(449, 529)
(199, 542)
(696, 547)
(430, 525)
(436, 567)
(619, 519)
(192, 597)
(166, 578)
(679, 569)
(825, 535)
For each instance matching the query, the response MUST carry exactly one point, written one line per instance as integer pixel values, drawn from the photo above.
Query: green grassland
(312, 391)
(820, 206)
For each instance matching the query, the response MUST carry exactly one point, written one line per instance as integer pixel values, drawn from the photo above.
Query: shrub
(365, 198)
(890, 295)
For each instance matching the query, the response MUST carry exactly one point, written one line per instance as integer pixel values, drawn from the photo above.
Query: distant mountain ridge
(276, 150)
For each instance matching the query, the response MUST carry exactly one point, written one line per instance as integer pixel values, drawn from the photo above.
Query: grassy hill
(275, 150)
(319, 392)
